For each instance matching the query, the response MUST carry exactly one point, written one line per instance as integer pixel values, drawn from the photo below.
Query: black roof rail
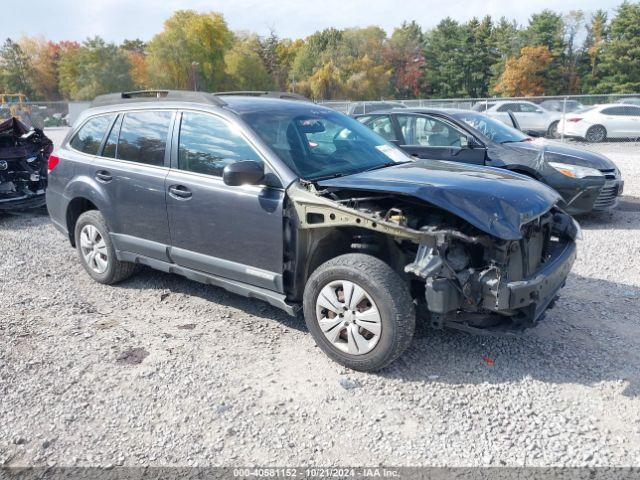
(156, 95)
(265, 93)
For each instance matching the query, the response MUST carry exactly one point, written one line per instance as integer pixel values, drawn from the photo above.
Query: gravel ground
(163, 371)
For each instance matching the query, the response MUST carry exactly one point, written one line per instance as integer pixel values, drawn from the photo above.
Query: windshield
(318, 143)
(493, 129)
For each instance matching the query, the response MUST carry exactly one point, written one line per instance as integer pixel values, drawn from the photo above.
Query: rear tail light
(574, 119)
(53, 162)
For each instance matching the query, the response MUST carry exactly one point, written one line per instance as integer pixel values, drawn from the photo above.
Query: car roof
(233, 102)
(169, 97)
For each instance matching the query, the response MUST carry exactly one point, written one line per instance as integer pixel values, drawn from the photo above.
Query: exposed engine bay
(465, 277)
(23, 165)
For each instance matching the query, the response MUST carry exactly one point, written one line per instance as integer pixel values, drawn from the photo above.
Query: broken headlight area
(23, 165)
(501, 286)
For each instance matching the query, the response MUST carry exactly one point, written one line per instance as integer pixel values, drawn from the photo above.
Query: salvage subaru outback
(305, 208)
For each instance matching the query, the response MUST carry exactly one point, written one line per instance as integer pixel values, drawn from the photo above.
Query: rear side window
(207, 144)
(143, 137)
(89, 137)
(614, 111)
(509, 107)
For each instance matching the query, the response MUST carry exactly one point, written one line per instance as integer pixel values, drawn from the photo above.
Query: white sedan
(532, 118)
(596, 124)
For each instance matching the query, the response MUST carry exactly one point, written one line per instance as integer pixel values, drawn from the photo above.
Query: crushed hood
(494, 200)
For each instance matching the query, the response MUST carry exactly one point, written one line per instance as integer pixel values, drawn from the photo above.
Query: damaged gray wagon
(303, 207)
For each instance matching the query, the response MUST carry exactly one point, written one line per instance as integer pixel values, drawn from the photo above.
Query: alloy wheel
(94, 249)
(596, 134)
(348, 317)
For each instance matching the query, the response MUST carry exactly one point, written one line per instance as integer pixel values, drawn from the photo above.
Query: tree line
(552, 54)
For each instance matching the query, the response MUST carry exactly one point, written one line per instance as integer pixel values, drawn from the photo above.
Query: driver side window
(207, 144)
(427, 131)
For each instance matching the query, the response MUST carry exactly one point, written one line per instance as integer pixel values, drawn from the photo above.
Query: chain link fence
(42, 114)
(561, 105)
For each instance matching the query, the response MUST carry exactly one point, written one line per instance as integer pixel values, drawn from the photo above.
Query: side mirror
(244, 172)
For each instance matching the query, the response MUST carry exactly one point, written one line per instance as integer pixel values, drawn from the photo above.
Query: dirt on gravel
(159, 370)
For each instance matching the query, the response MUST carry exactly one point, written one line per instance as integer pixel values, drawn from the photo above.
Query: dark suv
(302, 206)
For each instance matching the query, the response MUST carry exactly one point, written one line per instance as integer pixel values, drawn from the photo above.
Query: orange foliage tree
(523, 76)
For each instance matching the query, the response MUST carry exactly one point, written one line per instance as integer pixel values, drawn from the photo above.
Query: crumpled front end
(23, 165)
(497, 286)
(465, 277)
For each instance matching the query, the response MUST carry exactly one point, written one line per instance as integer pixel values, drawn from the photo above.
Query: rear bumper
(24, 202)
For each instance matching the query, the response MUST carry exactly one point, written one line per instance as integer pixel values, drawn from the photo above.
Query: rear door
(532, 117)
(231, 232)
(129, 172)
(616, 121)
(633, 119)
(430, 137)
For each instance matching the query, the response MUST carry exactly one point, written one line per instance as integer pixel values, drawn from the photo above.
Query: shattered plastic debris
(489, 361)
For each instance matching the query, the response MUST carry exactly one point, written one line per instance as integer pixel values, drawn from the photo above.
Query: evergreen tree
(15, 69)
(620, 64)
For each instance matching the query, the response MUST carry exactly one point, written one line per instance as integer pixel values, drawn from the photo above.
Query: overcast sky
(119, 19)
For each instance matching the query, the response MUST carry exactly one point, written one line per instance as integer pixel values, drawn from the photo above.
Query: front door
(232, 232)
(428, 137)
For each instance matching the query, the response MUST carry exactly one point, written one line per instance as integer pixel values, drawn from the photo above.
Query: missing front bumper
(505, 307)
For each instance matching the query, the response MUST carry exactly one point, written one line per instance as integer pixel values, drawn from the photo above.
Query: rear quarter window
(90, 135)
(143, 137)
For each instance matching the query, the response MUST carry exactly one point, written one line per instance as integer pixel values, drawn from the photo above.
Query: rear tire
(342, 331)
(552, 131)
(96, 251)
(596, 134)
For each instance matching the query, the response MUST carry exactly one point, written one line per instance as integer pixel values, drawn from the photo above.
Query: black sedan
(587, 181)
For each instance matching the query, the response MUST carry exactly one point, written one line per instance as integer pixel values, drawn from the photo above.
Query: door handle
(103, 176)
(180, 192)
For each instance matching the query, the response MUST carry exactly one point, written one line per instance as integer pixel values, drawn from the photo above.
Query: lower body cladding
(509, 295)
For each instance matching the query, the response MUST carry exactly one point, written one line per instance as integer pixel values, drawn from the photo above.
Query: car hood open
(494, 200)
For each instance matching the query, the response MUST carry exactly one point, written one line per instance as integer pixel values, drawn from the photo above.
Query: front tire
(596, 134)
(359, 311)
(96, 252)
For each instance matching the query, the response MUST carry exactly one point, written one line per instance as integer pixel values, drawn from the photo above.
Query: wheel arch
(75, 208)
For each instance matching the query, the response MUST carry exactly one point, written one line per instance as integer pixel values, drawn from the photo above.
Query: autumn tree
(523, 76)
(94, 68)
(42, 56)
(136, 50)
(190, 44)
(406, 60)
(244, 67)
(16, 72)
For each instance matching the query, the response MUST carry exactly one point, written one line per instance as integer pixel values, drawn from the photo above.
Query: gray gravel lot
(164, 371)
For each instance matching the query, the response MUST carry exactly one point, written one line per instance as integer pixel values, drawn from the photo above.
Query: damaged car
(307, 209)
(587, 181)
(23, 165)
